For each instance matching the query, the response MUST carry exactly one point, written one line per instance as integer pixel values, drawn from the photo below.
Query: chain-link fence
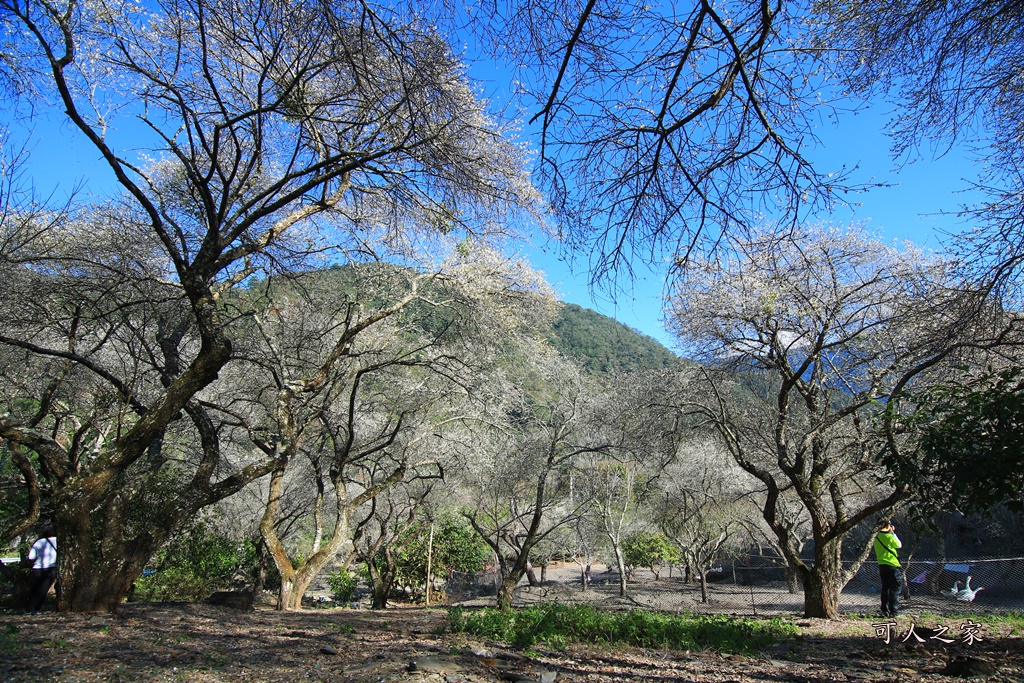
(759, 586)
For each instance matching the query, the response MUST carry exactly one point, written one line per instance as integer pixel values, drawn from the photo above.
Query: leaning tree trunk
(23, 521)
(620, 562)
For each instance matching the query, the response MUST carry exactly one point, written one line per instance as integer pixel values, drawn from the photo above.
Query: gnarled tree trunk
(823, 584)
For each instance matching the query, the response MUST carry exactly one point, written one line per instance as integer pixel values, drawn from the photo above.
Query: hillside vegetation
(599, 343)
(602, 344)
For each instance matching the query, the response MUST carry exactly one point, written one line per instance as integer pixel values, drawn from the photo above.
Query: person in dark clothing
(887, 544)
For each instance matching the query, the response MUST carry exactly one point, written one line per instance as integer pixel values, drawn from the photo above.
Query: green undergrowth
(8, 639)
(1001, 624)
(1013, 620)
(557, 626)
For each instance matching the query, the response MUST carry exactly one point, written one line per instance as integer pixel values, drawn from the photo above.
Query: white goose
(952, 592)
(962, 591)
(967, 595)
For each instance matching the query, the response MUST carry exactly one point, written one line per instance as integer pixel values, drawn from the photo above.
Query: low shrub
(558, 625)
(194, 564)
(343, 584)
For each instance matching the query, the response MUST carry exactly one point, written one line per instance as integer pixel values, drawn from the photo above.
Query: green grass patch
(1006, 623)
(557, 625)
(1012, 622)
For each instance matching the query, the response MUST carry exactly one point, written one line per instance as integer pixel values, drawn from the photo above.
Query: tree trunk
(295, 580)
(703, 586)
(380, 591)
(506, 589)
(792, 580)
(294, 587)
(289, 598)
(262, 558)
(380, 586)
(96, 566)
(318, 520)
(531, 575)
(511, 578)
(19, 576)
(905, 578)
(94, 582)
(24, 520)
(822, 581)
(620, 561)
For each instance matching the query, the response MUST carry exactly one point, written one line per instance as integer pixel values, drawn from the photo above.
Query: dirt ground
(207, 644)
(670, 594)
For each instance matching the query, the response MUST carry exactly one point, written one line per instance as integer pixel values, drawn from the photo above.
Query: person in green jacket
(887, 544)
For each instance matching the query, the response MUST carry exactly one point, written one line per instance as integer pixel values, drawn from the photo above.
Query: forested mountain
(603, 344)
(598, 342)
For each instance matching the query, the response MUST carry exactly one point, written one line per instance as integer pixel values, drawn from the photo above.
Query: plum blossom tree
(839, 324)
(539, 422)
(364, 370)
(618, 481)
(702, 508)
(271, 136)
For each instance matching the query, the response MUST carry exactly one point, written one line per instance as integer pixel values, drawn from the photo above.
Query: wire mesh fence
(758, 586)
